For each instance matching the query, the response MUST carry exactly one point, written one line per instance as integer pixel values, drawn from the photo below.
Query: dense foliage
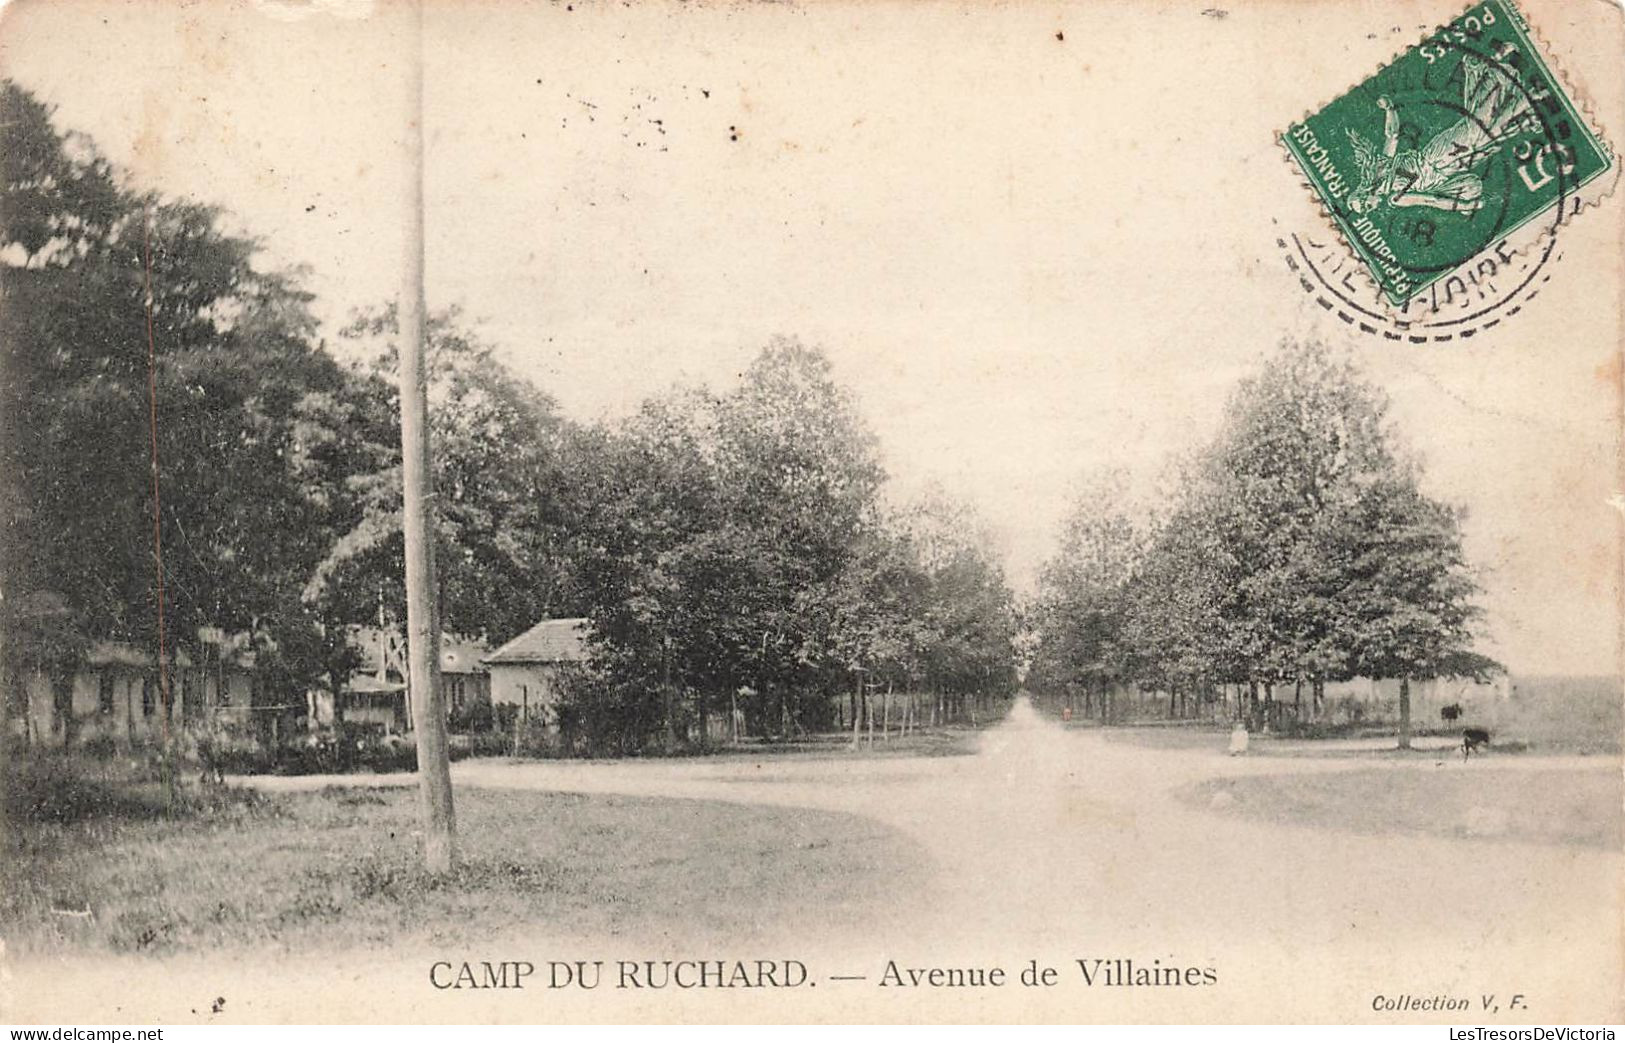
(729, 547)
(740, 558)
(1297, 548)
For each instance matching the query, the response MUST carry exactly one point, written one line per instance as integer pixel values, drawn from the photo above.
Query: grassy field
(1216, 738)
(1580, 807)
(128, 868)
(1562, 714)
(1544, 714)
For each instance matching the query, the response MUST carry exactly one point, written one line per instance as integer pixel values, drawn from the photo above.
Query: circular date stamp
(1446, 178)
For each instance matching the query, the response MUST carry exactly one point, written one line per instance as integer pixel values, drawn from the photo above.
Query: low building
(377, 693)
(116, 694)
(465, 683)
(525, 672)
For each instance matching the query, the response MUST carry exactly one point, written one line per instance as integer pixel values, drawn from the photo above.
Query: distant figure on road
(1238, 739)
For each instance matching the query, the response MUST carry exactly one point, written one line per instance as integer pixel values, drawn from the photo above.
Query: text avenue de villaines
(1092, 972)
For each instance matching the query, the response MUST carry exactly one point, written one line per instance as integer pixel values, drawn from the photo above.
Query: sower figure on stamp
(1440, 174)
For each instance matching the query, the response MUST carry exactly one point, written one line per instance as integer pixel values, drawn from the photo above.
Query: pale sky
(1030, 256)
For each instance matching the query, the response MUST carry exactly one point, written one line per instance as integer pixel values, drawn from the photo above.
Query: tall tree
(1406, 605)
(236, 388)
(1296, 547)
(1084, 587)
(1301, 440)
(737, 543)
(504, 494)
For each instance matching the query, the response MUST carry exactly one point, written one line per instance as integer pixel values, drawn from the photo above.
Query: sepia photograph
(811, 511)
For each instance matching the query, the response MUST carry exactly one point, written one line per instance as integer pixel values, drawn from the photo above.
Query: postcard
(832, 511)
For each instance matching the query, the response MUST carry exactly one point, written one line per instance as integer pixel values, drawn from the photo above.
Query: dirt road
(1059, 845)
(1056, 846)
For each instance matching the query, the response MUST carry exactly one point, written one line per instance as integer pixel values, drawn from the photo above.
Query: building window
(104, 693)
(149, 701)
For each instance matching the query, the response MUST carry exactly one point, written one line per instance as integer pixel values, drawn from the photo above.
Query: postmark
(1448, 175)
(1478, 296)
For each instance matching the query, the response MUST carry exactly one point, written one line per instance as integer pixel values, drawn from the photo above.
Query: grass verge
(340, 868)
(1580, 807)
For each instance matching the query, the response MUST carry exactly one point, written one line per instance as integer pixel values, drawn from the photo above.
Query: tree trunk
(62, 705)
(856, 717)
(668, 702)
(1404, 713)
(11, 685)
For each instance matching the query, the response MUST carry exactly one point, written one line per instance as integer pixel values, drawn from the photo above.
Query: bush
(336, 751)
(53, 787)
(534, 738)
(473, 718)
(100, 747)
(484, 744)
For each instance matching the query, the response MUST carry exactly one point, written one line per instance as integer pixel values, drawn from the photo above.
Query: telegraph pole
(417, 480)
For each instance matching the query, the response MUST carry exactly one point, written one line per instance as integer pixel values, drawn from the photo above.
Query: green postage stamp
(1464, 142)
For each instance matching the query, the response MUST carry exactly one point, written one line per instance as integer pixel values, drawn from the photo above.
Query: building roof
(550, 641)
(367, 684)
(458, 655)
(117, 653)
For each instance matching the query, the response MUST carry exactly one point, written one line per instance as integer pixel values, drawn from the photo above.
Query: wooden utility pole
(417, 481)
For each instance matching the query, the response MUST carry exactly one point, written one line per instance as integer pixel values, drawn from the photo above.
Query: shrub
(54, 788)
(485, 744)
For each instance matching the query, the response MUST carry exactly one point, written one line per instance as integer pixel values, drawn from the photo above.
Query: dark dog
(1472, 739)
(1451, 712)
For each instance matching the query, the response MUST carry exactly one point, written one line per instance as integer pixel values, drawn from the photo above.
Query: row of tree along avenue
(1296, 549)
(733, 550)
